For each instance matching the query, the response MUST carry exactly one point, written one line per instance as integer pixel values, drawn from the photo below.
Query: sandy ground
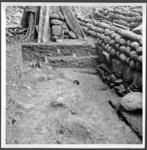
(44, 106)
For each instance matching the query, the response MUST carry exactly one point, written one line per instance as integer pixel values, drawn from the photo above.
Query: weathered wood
(72, 22)
(31, 28)
(46, 31)
(29, 20)
(121, 26)
(41, 24)
(27, 11)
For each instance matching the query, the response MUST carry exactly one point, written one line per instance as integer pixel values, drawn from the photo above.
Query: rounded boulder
(132, 101)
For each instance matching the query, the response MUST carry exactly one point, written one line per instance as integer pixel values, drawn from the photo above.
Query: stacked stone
(124, 50)
(127, 16)
(59, 28)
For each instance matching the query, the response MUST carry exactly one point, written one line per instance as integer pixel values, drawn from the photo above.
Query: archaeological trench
(81, 81)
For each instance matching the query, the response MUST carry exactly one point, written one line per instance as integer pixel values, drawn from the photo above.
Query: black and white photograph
(73, 75)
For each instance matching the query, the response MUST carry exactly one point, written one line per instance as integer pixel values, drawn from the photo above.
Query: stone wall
(59, 28)
(128, 16)
(120, 51)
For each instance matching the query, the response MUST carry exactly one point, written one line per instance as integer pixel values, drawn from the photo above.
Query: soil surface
(60, 106)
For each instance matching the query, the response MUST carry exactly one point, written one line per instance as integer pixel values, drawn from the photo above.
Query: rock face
(132, 101)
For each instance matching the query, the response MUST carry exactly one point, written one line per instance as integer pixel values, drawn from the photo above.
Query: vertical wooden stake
(41, 23)
(46, 30)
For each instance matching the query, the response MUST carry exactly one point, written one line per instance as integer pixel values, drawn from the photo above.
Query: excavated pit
(63, 101)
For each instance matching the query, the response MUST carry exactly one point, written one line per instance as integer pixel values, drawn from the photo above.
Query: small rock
(118, 81)
(93, 46)
(132, 101)
(112, 85)
(58, 103)
(112, 77)
(120, 90)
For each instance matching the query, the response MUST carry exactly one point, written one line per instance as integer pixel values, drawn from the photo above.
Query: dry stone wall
(59, 28)
(120, 50)
(128, 16)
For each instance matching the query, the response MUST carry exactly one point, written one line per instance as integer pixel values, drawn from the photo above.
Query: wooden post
(46, 30)
(41, 24)
(72, 22)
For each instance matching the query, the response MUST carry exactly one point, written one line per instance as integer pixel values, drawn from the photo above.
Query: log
(41, 23)
(25, 17)
(46, 30)
(121, 26)
(31, 27)
(72, 22)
